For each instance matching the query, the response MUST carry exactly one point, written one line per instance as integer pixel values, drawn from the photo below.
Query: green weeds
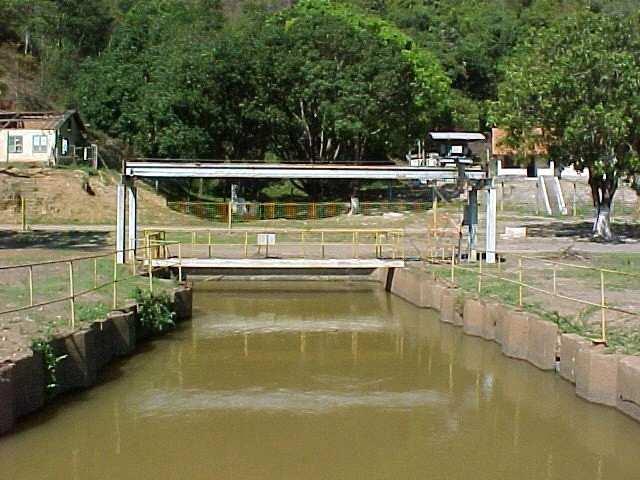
(49, 358)
(154, 310)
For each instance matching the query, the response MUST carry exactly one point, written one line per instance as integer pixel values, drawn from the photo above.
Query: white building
(43, 137)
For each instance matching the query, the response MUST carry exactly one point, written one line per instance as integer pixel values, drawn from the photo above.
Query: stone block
(448, 305)
(7, 398)
(124, 332)
(514, 333)
(542, 344)
(473, 317)
(78, 367)
(628, 395)
(407, 285)
(30, 382)
(105, 342)
(492, 311)
(597, 375)
(182, 301)
(500, 314)
(458, 311)
(437, 292)
(570, 344)
(380, 275)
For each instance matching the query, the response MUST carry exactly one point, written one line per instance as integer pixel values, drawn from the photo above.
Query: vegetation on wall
(154, 310)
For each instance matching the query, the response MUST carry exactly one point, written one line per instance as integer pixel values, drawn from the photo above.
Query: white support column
(120, 222)
(132, 227)
(473, 225)
(490, 230)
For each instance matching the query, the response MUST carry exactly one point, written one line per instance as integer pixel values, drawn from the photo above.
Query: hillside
(66, 196)
(20, 81)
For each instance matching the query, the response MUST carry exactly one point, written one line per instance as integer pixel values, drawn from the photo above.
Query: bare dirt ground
(64, 196)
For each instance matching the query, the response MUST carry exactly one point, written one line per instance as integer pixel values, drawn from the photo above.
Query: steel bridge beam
(247, 170)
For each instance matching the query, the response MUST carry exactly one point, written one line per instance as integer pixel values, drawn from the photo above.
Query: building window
(40, 144)
(15, 143)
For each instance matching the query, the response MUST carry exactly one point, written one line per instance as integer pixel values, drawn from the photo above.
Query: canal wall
(26, 385)
(598, 376)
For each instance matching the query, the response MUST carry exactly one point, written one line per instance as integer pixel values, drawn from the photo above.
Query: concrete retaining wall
(409, 285)
(597, 375)
(570, 344)
(84, 353)
(7, 398)
(600, 377)
(542, 344)
(473, 317)
(628, 391)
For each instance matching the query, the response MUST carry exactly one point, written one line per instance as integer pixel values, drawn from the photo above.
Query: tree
(336, 84)
(148, 87)
(318, 82)
(578, 80)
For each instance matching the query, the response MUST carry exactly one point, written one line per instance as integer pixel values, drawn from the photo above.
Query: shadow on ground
(54, 240)
(581, 230)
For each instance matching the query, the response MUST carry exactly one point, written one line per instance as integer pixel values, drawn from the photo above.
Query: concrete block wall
(84, 353)
(599, 377)
(628, 386)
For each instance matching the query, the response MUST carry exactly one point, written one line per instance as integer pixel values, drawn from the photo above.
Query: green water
(321, 384)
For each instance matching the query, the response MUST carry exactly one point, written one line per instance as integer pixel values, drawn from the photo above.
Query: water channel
(321, 381)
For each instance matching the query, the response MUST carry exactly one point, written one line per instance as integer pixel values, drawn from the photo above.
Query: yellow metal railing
(304, 243)
(92, 280)
(478, 267)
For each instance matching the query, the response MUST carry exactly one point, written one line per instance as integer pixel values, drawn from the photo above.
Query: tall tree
(336, 84)
(578, 80)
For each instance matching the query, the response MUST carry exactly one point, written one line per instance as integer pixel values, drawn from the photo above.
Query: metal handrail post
(31, 285)
(115, 280)
(149, 266)
(72, 296)
(520, 282)
(23, 208)
(453, 264)
(603, 309)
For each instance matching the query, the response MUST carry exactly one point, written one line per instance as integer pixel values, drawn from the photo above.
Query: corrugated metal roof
(498, 136)
(463, 136)
(34, 120)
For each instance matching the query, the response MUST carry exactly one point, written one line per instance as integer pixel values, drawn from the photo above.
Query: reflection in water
(172, 403)
(322, 384)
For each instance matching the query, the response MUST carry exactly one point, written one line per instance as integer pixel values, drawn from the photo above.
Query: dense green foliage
(350, 80)
(317, 82)
(181, 78)
(578, 80)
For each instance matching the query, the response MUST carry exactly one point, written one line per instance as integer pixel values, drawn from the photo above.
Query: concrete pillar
(490, 231)
(132, 227)
(120, 222)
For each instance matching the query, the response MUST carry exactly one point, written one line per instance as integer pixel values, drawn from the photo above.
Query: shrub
(154, 310)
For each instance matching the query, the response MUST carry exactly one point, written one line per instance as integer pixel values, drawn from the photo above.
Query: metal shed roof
(464, 136)
(36, 120)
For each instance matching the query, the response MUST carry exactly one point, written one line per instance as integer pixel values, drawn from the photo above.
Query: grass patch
(91, 312)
